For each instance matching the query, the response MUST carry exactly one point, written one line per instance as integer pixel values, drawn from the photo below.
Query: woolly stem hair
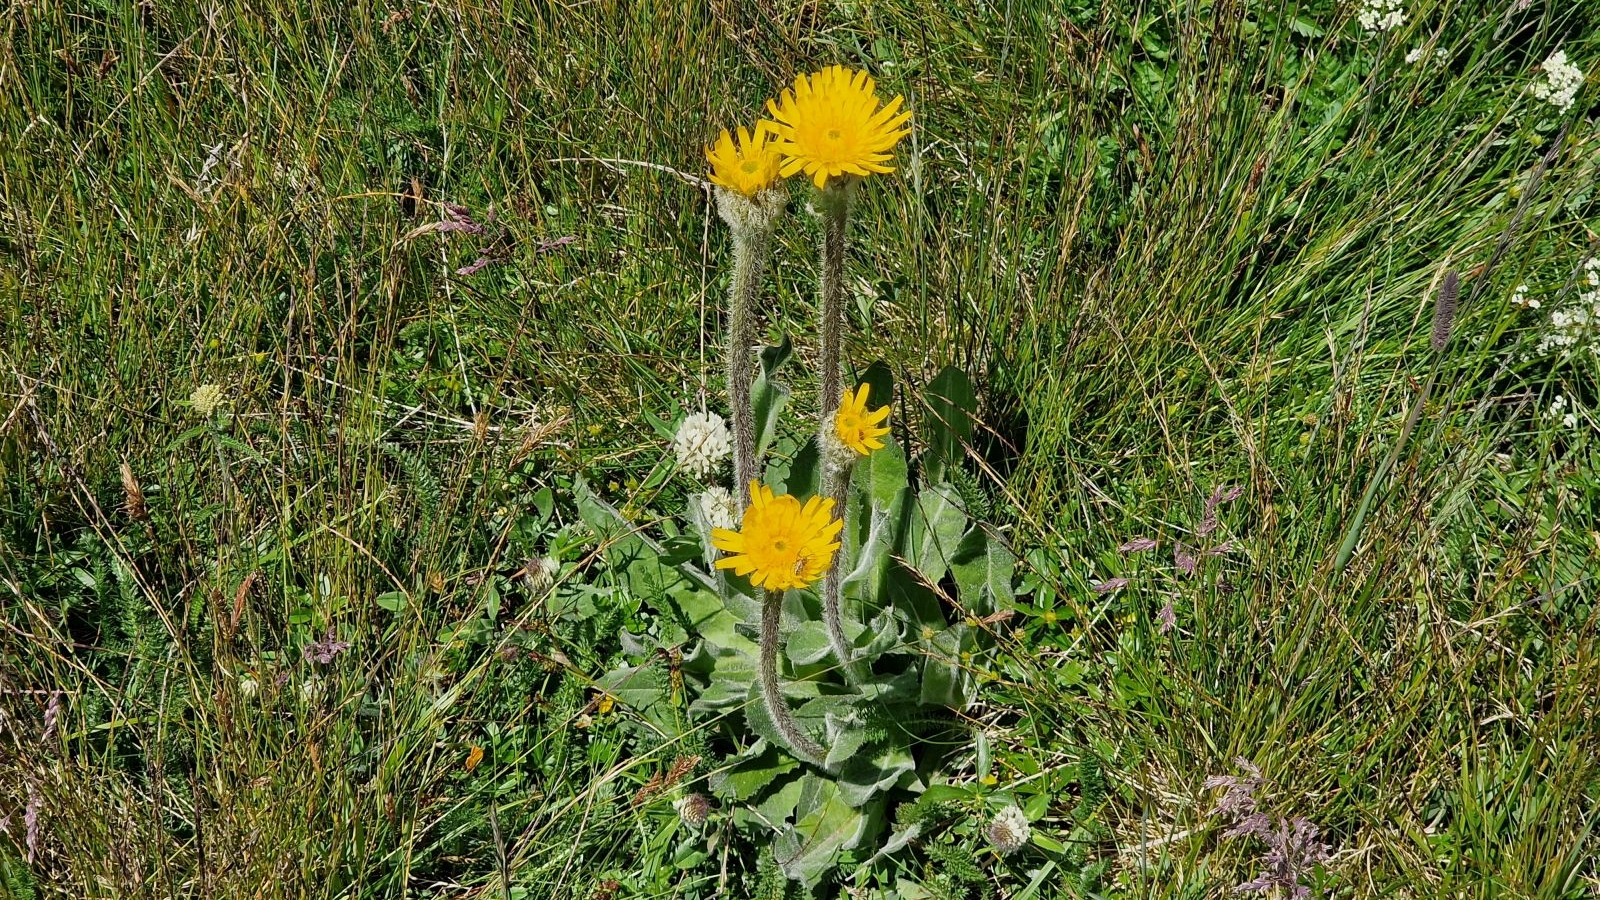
(749, 261)
(778, 708)
(836, 484)
(752, 220)
(833, 205)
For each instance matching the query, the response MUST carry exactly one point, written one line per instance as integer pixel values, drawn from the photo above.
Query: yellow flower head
(748, 167)
(781, 544)
(829, 124)
(858, 429)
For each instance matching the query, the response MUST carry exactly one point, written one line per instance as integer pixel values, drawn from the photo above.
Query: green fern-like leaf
(1091, 787)
(954, 871)
(424, 484)
(770, 881)
(15, 881)
(564, 707)
(1090, 876)
(925, 813)
(974, 499)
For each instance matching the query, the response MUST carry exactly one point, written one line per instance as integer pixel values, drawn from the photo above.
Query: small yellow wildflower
(748, 167)
(830, 124)
(780, 544)
(857, 428)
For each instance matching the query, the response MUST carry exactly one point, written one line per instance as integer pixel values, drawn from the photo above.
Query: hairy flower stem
(751, 219)
(749, 261)
(778, 708)
(833, 205)
(836, 484)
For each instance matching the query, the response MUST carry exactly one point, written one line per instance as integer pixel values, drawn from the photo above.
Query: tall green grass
(1184, 244)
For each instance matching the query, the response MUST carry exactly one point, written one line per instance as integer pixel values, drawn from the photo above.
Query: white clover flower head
(719, 507)
(207, 399)
(1008, 831)
(693, 809)
(1414, 56)
(702, 443)
(1560, 84)
(311, 690)
(1378, 16)
(249, 687)
(539, 573)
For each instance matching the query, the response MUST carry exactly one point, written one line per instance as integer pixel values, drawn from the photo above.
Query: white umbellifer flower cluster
(1009, 831)
(1570, 327)
(1559, 410)
(207, 399)
(719, 508)
(1416, 54)
(702, 443)
(1520, 298)
(1377, 16)
(1561, 82)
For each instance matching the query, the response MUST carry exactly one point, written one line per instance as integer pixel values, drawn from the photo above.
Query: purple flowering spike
(1183, 556)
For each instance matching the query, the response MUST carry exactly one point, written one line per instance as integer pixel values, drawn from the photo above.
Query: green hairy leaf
(951, 407)
(768, 395)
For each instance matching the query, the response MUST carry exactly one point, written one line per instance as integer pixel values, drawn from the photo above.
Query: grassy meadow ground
(1179, 246)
